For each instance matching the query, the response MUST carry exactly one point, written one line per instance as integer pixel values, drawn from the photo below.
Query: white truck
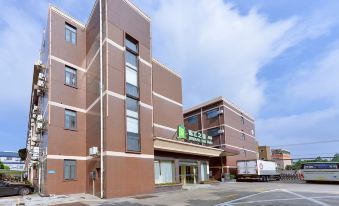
(260, 170)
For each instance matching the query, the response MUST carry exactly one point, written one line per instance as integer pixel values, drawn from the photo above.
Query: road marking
(282, 199)
(229, 202)
(231, 195)
(260, 189)
(273, 200)
(306, 198)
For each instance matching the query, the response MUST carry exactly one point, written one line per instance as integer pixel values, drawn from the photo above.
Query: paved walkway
(225, 194)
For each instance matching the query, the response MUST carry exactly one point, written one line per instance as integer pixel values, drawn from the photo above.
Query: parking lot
(225, 194)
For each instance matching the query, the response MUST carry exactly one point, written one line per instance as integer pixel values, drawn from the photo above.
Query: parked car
(8, 189)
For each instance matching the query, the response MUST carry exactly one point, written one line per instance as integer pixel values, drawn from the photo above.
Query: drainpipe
(101, 114)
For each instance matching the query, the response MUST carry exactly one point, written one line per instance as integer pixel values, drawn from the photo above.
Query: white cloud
(318, 83)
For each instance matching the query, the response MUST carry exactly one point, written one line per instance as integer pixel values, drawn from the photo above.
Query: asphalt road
(243, 193)
(225, 194)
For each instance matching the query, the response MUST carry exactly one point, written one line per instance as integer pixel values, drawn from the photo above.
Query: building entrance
(188, 172)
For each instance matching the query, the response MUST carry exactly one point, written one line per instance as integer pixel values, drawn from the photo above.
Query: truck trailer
(260, 170)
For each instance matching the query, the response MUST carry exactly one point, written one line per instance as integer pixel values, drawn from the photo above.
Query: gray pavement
(225, 194)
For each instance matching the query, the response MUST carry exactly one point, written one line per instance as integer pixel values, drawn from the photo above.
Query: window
(70, 76)
(131, 44)
(70, 33)
(8, 158)
(164, 172)
(242, 120)
(132, 93)
(243, 137)
(70, 119)
(212, 113)
(131, 59)
(132, 121)
(192, 120)
(261, 151)
(213, 132)
(69, 169)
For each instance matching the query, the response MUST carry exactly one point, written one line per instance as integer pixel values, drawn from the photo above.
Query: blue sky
(278, 60)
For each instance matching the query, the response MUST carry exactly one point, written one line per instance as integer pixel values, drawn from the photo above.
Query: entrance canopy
(164, 144)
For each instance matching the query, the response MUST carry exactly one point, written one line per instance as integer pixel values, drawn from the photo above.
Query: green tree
(335, 158)
(22, 153)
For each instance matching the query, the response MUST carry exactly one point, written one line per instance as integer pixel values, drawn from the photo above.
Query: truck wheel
(24, 191)
(267, 179)
(262, 179)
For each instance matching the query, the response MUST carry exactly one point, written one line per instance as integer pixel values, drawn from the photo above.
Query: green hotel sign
(193, 136)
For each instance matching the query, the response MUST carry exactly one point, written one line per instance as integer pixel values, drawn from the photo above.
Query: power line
(307, 143)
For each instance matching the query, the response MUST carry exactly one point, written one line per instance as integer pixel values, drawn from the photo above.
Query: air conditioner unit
(39, 126)
(34, 158)
(93, 151)
(39, 92)
(40, 118)
(35, 109)
(41, 76)
(41, 83)
(221, 131)
(221, 111)
(34, 116)
(32, 143)
(35, 138)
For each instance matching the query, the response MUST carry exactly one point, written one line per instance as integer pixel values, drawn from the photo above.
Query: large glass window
(203, 171)
(212, 113)
(132, 120)
(131, 44)
(132, 93)
(192, 120)
(69, 169)
(70, 119)
(213, 132)
(70, 34)
(70, 76)
(131, 59)
(163, 172)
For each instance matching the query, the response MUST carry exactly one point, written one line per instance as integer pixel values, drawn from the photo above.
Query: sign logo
(193, 136)
(181, 132)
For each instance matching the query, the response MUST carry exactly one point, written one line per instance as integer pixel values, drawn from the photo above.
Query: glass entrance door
(188, 172)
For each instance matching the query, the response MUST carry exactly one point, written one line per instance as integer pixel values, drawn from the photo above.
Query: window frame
(69, 27)
(212, 110)
(76, 120)
(70, 171)
(76, 76)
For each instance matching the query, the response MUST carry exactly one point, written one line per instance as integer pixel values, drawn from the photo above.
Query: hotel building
(231, 129)
(104, 114)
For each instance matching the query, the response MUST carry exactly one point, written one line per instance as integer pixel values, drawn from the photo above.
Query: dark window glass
(212, 113)
(69, 169)
(70, 33)
(131, 45)
(133, 142)
(320, 166)
(131, 59)
(70, 119)
(213, 132)
(132, 104)
(242, 120)
(243, 136)
(192, 120)
(70, 76)
(132, 90)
